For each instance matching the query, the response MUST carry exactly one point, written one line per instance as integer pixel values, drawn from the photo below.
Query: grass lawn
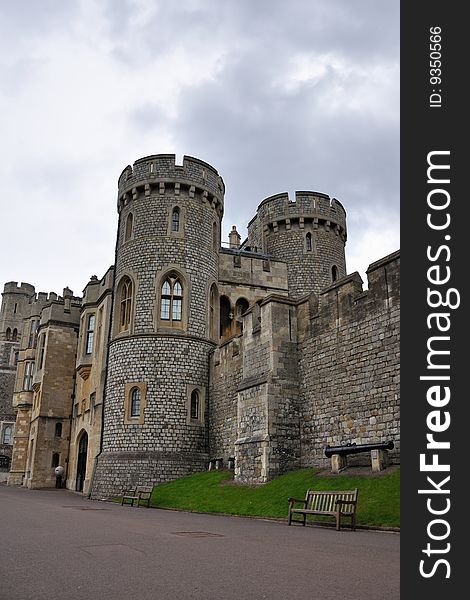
(213, 491)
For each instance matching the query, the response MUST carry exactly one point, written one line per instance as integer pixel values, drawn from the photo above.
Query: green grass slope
(214, 491)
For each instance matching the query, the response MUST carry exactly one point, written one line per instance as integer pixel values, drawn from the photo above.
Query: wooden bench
(145, 493)
(333, 503)
(139, 494)
(129, 496)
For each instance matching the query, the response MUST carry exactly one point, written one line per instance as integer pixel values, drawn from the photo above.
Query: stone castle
(187, 353)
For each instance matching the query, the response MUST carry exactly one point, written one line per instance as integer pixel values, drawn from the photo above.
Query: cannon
(353, 448)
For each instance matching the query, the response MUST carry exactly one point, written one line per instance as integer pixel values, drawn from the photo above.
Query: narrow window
(42, 344)
(125, 305)
(215, 236)
(194, 411)
(334, 273)
(241, 306)
(308, 241)
(135, 402)
(8, 435)
(226, 317)
(14, 335)
(171, 302)
(58, 429)
(55, 460)
(33, 334)
(212, 306)
(16, 308)
(28, 376)
(90, 334)
(129, 226)
(175, 219)
(8, 334)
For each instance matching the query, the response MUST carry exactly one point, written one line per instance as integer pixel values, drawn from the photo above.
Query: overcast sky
(277, 95)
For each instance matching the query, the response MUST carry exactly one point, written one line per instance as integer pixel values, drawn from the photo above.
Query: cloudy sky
(277, 95)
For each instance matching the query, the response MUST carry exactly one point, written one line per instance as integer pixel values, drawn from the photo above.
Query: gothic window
(194, 409)
(14, 335)
(129, 227)
(90, 334)
(8, 435)
(28, 376)
(42, 344)
(135, 403)
(125, 304)
(175, 219)
(171, 301)
(195, 402)
(8, 334)
(334, 273)
(308, 242)
(58, 429)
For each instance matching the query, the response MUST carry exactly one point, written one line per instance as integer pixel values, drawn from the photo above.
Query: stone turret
(165, 295)
(308, 233)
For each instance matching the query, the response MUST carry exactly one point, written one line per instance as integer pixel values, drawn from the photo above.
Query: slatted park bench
(140, 495)
(319, 502)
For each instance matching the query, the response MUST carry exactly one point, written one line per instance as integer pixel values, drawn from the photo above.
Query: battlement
(12, 287)
(308, 206)
(153, 172)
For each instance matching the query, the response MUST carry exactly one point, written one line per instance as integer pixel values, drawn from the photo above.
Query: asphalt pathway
(55, 544)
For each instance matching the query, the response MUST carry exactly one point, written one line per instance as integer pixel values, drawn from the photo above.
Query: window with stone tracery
(125, 304)
(171, 301)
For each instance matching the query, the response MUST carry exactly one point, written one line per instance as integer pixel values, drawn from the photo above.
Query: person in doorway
(59, 471)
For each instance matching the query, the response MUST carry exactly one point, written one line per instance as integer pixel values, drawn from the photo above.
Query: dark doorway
(81, 461)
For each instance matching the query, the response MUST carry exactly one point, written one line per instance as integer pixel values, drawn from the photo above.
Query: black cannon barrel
(352, 448)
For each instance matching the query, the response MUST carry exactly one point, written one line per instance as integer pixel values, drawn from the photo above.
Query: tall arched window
(8, 334)
(334, 273)
(135, 402)
(125, 304)
(194, 409)
(175, 219)
(171, 301)
(129, 227)
(241, 306)
(58, 429)
(14, 335)
(226, 317)
(308, 242)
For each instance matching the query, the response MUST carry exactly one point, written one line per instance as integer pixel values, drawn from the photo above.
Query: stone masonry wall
(349, 364)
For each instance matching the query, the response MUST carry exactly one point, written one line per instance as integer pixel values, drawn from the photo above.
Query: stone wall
(349, 364)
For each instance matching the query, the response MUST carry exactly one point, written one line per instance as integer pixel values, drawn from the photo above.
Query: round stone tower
(309, 234)
(155, 409)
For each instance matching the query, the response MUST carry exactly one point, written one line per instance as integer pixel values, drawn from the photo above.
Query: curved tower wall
(165, 363)
(281, 226)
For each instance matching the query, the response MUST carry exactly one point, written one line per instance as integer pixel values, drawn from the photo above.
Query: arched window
(175, 219)
(226, 317)
(135, 402)
(8, 435)
(334, 273)
(129, 227)
(171, 301)
(241, 306)
(8, 334)
(14, 335)
(125, 304)
(194, 409)
(308, 242)
(58, 429)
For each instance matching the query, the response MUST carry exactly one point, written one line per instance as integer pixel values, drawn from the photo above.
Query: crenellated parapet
(12, 287)
(159, 174)
(308, 207)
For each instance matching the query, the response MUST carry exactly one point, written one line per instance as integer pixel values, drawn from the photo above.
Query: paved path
(57, 545)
